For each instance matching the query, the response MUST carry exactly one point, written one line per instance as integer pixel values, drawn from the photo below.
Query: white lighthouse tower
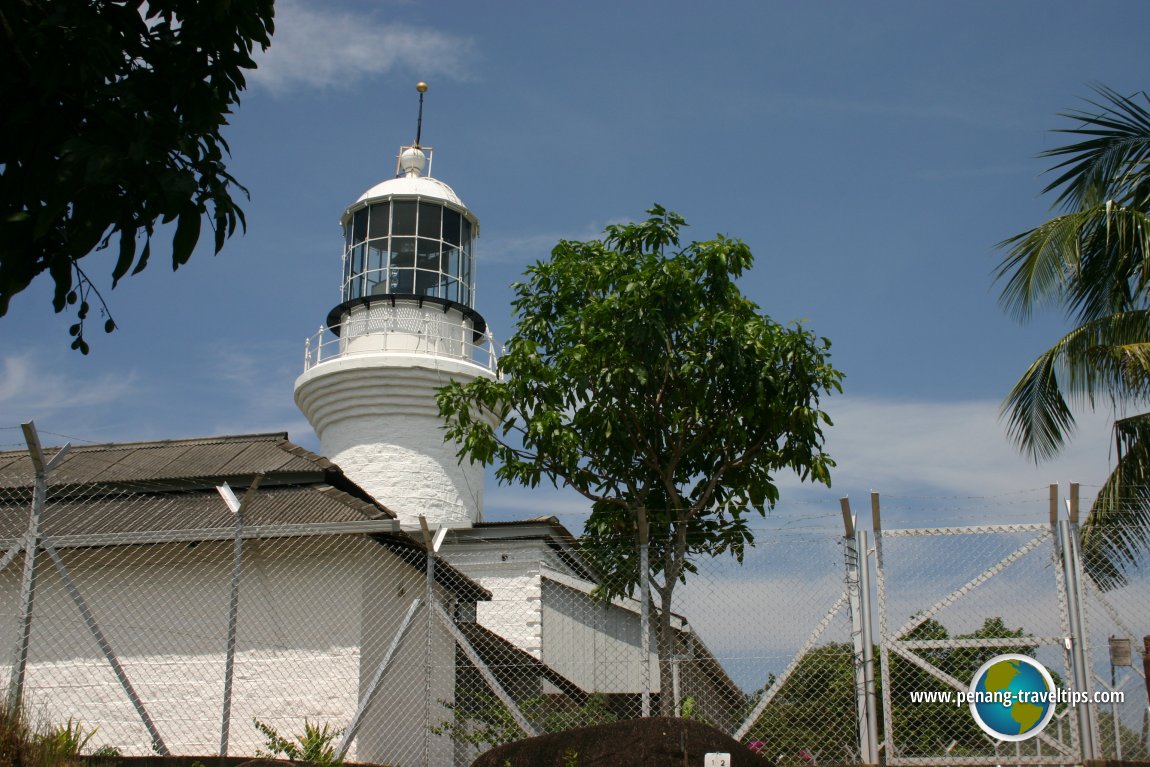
(405, 326)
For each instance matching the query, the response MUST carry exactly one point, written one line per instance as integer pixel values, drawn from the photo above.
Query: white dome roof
(411, 186)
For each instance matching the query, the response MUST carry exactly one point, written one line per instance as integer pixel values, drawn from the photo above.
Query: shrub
(316, 745)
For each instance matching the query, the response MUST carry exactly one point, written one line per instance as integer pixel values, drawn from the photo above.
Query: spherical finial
(412, 161)
(421, 86)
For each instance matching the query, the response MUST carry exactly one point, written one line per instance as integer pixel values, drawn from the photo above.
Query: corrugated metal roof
(134, 512)
(207, 458)
(135, 488)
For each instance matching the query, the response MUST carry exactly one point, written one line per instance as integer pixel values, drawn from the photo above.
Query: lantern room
(407, 282)
(409, 236)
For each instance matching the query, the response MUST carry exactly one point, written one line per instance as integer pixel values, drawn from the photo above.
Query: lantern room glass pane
(451, 220)
(451, 289)
(428, 254)
(403, 251)
(380, 220)
(359, 222)
(376, 283)
(429, 219)
(377, 254)
(450, 262)
(357, 259)
(355, 286)
(400, 280)
(426, 283)
(403, 217)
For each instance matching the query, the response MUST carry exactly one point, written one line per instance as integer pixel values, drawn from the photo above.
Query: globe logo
(1012, 697)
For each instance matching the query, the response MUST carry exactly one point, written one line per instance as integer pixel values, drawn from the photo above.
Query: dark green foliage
(640, 376)
(814, 710)
(110, 125)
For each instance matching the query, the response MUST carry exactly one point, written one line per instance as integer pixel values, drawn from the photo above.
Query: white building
(135, 569)
(328, 578)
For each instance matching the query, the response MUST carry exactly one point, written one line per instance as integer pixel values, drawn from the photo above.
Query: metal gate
(952, 598)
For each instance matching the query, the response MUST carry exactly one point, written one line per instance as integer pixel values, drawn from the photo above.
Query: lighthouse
(405, 326)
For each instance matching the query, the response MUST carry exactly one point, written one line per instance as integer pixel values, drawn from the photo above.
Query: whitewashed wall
(315, 617)
(511, 571)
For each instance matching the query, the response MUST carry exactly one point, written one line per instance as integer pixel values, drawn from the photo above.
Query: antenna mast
(422, 88)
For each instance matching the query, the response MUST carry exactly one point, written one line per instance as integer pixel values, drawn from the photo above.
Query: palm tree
(1093, 260)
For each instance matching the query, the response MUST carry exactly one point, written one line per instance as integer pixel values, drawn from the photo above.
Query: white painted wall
(593, 643)
(511, 571)
(315, 616)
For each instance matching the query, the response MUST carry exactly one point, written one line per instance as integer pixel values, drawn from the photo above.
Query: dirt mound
(656, 742)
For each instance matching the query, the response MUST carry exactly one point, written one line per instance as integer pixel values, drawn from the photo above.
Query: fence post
(645, 614)
(884, 652)
(31, 549)
(237, 508)
(854, 600)
(1079, 655)
(871, 754)
(1146, 683)
(431, 544)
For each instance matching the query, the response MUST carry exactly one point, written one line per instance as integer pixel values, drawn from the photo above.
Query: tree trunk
(665, 642)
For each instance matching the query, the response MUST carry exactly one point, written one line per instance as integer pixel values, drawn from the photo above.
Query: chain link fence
(179, 621)
(197, 621)
(568, 656)
(952, 599)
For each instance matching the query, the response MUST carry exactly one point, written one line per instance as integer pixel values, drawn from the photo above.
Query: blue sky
(871, 154)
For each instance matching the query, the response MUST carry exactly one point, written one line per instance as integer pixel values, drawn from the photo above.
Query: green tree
(1092, 261)
(111, 124)
(816, 709)
(640, 376)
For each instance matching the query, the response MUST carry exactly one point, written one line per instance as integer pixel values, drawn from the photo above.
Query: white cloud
(30, 389)
(945, 463)
(950, 449)
(315, 46)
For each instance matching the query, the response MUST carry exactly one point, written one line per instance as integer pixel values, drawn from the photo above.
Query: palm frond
(1116, 534)
(1108, 356)
(1111, 163)
(1039, 420)
(1039, 264)
(1094, 262)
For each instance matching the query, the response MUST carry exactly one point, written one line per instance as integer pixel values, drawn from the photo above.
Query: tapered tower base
(376, 418)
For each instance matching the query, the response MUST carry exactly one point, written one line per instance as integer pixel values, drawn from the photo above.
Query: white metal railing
(389, 333)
